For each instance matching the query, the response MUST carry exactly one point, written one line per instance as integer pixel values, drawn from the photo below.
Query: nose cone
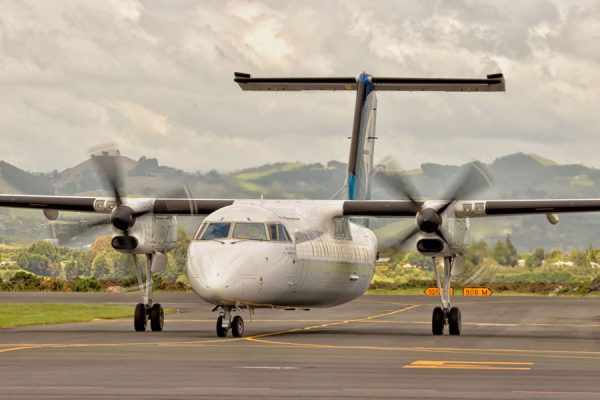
(211, 273)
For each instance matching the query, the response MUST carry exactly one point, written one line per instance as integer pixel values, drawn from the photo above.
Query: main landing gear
(226, 322)
(146, 311)
(445, 315)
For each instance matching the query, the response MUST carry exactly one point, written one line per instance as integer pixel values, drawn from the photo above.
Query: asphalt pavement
(375, 347)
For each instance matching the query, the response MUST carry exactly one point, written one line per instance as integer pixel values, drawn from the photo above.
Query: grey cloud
(156, 78)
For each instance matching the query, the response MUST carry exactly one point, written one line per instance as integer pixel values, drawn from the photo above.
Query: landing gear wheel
(237, 326)
(437, 321)
(221, 332)
(157, 318)
(140, 319)
(454, 323)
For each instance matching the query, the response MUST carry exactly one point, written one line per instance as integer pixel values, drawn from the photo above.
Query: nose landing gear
(225, 322)
(445, 315)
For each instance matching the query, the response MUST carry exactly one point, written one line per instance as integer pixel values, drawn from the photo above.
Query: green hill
(515, 176)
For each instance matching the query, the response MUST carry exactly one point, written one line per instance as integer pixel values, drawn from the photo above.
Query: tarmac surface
(374, 347)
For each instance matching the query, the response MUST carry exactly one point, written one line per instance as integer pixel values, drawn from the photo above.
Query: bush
(85, 285)
(5, 286)
(25, 281)
(53, 285)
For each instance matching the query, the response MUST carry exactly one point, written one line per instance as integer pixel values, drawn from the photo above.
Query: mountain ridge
(515, 175)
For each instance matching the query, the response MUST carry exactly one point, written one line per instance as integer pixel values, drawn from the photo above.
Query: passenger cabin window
(342, 229)
(249, 230)
(216, 230)
(278, 233)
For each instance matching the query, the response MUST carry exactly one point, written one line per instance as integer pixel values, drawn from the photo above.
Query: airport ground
(375, 347)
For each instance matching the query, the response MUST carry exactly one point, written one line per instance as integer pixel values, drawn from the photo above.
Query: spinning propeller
(429, 218)
(122, 217)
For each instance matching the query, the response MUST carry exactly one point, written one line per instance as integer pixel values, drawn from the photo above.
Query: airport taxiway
(375, 347)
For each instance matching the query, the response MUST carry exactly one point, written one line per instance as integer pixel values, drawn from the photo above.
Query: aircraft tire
(454, 321)
(437, 321)
(157, 318)
(140, 319)
(237, 326)
(221, 332)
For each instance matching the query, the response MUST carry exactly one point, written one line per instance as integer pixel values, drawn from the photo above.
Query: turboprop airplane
(259, 253)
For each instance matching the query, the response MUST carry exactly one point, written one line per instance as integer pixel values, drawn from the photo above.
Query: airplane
(299, 254)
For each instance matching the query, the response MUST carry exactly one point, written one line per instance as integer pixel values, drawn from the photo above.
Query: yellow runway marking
(566, 354)
(333, 323)
(560, 354)
(478, 365)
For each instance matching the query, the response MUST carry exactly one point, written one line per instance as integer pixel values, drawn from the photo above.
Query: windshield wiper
(216, 240)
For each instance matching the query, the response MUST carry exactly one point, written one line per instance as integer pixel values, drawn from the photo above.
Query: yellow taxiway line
(332, 323)
(477, 365)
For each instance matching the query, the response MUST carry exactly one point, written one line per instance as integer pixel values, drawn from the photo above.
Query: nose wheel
(225, 322)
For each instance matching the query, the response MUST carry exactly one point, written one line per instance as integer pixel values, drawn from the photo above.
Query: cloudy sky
(155, 77)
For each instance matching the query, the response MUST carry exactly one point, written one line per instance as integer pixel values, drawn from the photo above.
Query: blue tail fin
(360, 161)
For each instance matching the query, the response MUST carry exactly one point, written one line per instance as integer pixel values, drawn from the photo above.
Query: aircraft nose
(212, 276)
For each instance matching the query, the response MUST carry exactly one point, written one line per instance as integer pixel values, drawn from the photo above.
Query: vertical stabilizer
(362, 145)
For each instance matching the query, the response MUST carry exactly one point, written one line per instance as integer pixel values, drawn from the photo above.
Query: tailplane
(360, 160)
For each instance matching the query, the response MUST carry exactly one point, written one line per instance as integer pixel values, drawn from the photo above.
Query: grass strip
(23, 314)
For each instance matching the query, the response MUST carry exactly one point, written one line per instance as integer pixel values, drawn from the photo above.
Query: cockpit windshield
(273, 231)
(249, 230)
(216, 230)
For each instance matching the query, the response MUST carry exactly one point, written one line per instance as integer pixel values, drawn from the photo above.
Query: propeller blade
(441, 235)
(110, 169)
(406, 237)
(101, 221)
(473, 180)
(398, 184)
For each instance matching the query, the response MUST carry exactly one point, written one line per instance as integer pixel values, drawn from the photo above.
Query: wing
(106, 204)
(350, 208)
(472, 208)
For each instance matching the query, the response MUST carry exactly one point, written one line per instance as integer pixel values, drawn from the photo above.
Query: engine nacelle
(430, 246)
(149, 234)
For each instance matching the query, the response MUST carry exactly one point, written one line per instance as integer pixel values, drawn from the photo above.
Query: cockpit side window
(216, 230)
(200, 231)
(249, 230)
(278, 233)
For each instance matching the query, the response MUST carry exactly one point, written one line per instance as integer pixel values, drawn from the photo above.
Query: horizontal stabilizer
(246, 82)
(492, 83)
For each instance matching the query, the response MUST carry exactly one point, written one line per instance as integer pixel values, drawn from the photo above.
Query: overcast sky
(156, 78)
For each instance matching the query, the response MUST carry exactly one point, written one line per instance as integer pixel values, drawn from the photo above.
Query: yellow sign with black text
(477, 291)
(433, 291)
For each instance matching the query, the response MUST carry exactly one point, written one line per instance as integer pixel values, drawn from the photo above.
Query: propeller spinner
(429, 217)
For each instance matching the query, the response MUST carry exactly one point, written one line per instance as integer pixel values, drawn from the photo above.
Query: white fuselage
(325, 262)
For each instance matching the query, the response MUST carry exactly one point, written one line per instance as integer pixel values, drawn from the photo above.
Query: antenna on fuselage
(360, 160)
